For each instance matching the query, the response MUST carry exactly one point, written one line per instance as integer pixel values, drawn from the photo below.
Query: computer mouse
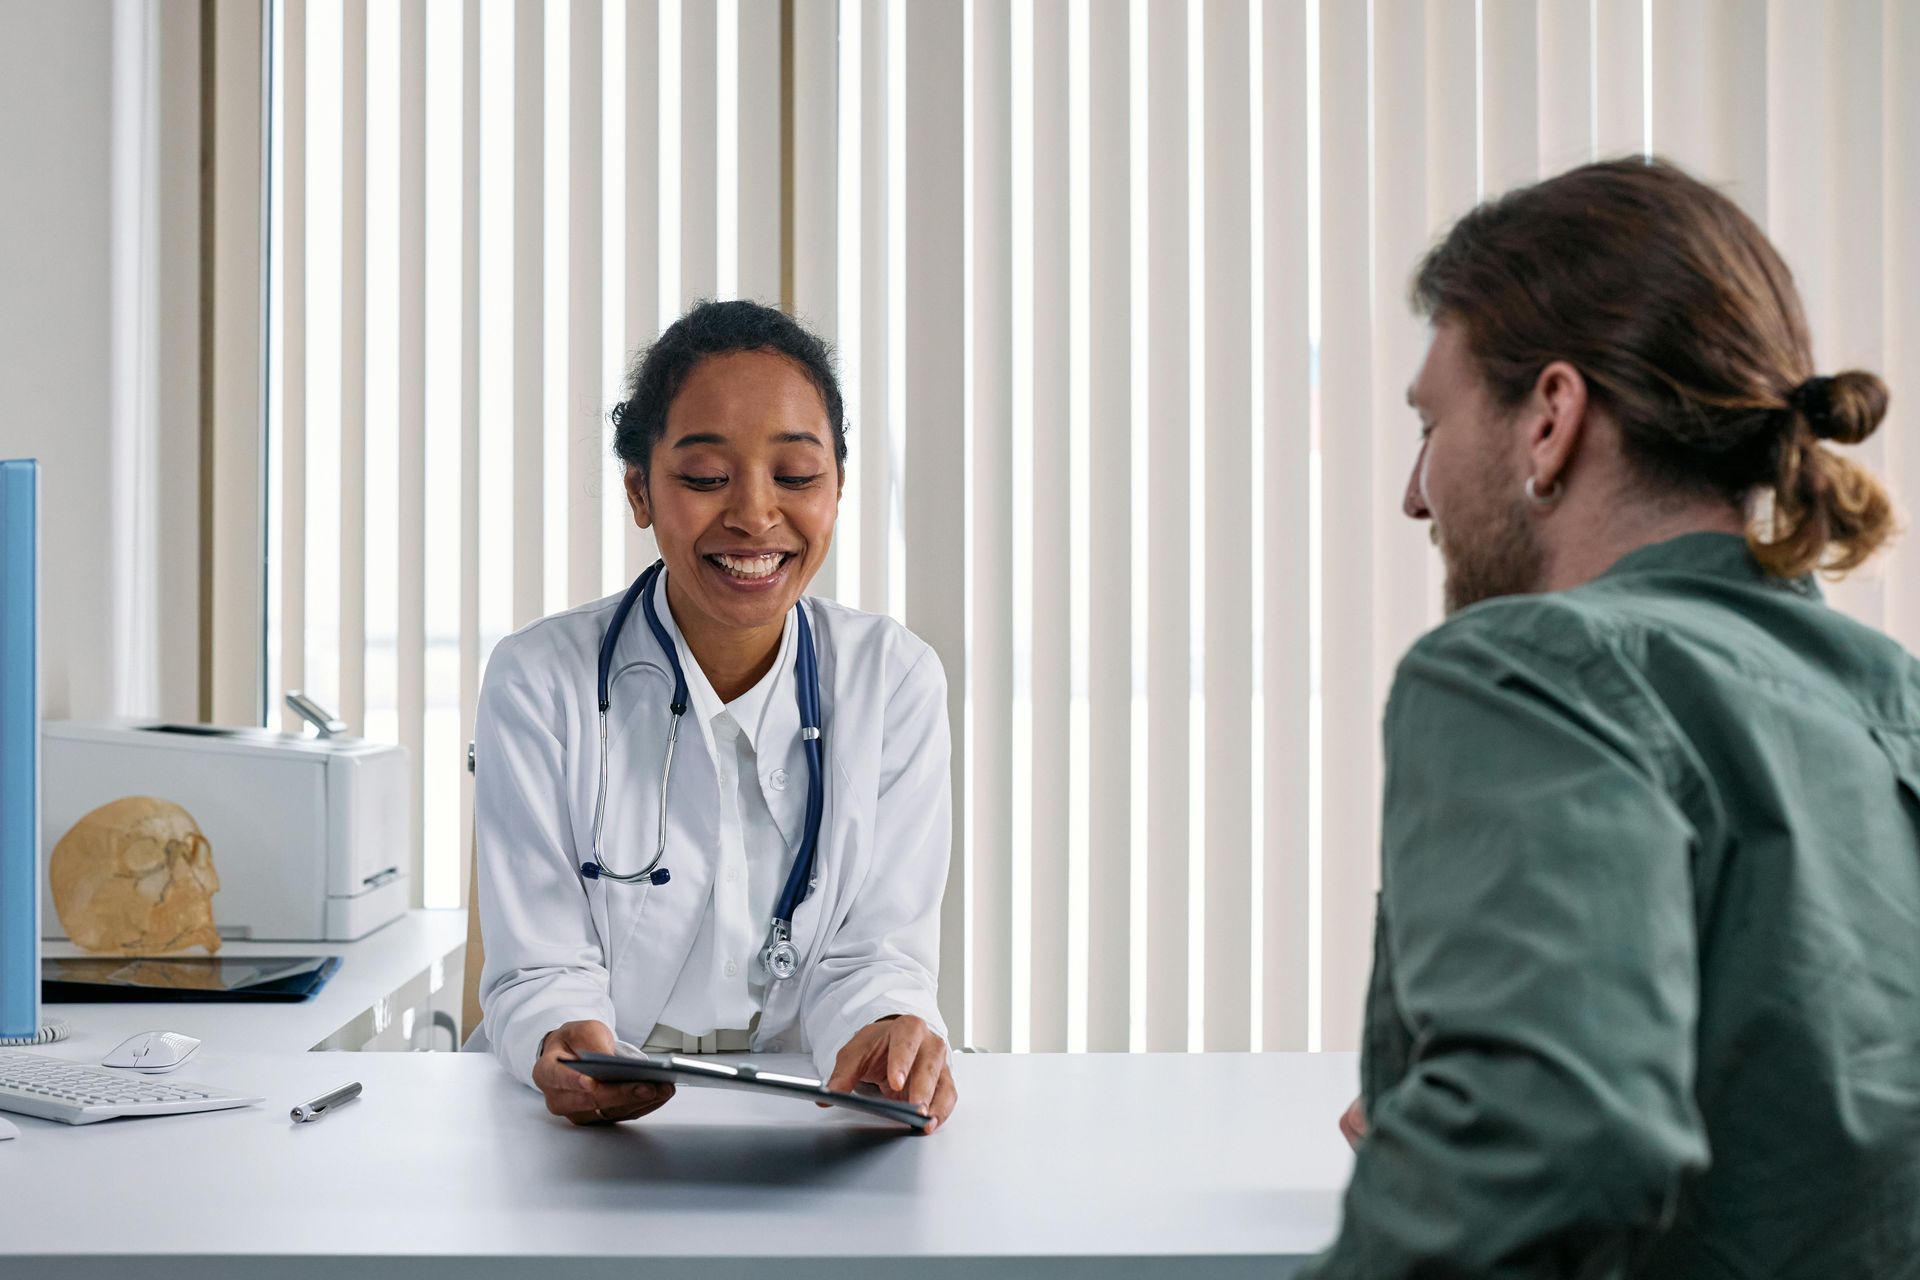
(7, 1129)
(152, 1051)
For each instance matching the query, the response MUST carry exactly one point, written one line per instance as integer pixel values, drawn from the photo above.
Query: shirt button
(778, 779)
(732, 875)
(732, 968)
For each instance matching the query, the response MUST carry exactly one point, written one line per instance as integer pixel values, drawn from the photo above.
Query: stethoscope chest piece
(782, 960)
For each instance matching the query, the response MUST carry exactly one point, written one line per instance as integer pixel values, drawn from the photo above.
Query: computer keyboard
(34, 1084)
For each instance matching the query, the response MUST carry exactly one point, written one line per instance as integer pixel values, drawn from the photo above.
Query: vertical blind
(1119, 295)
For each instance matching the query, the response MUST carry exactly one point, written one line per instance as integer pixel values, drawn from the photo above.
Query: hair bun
(1846, 408)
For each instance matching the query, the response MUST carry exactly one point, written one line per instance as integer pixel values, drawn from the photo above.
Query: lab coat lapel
(845, 817)
(651, 940)
(657, 936)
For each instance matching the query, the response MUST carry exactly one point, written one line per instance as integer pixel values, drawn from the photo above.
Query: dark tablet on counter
(254, 979)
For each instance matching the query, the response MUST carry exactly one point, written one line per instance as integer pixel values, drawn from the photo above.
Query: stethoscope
(780, 957)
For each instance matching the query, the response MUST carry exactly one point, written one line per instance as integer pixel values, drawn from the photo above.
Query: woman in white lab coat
(734, 444)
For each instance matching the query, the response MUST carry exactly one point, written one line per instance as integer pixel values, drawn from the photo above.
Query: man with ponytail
(1646, 996)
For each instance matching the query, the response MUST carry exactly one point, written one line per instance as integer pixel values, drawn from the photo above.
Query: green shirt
(1646, 989)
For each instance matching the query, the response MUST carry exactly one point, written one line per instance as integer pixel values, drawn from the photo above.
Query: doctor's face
(741, 492)
(1468, 478)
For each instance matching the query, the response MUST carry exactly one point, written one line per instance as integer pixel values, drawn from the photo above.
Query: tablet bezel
(681, 1069)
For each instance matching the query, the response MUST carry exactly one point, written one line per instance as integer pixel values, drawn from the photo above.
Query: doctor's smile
(656, 880)
(756, 569)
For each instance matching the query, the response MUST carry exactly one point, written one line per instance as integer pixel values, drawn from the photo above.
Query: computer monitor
(19, 749)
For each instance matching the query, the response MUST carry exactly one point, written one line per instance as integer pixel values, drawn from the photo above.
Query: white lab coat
(561, 948)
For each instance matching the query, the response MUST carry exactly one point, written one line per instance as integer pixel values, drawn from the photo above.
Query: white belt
(666, 1039)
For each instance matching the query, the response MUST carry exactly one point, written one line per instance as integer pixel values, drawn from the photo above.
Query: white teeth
(750, 566)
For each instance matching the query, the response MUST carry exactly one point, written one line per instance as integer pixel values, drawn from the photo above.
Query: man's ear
(636, 486)
(1556, 423)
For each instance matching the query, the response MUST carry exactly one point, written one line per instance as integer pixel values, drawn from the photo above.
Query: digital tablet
(97, 979)
(680, 1070)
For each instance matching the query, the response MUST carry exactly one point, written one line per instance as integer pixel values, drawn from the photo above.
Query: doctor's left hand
(908, 1062)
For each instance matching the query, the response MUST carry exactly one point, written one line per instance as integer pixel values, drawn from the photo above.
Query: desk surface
(1108, 1164)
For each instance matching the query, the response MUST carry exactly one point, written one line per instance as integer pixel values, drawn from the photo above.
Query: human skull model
(135, 877)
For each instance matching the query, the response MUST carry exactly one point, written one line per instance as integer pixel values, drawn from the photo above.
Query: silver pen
(326, 1102)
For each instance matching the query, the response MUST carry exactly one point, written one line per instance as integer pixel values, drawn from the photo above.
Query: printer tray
(171, 979)
(679, 1070)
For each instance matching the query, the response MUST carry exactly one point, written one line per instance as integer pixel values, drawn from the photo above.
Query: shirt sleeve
(1539, 923)
(885, 956)
(544, 962)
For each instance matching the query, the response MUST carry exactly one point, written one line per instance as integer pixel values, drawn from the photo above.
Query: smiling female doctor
(811, 733)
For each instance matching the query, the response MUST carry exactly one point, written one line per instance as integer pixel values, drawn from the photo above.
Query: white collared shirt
(723, 984)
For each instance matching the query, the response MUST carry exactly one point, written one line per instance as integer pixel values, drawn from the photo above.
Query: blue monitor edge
(19, 749)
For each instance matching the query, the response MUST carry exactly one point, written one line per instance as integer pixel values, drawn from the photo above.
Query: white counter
(1115, 1165)
(412, 962)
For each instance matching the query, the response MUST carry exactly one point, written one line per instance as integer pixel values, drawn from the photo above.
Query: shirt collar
(1712, 555)
(749, 710)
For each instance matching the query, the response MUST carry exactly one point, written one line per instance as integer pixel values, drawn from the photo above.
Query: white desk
(1056, 1165)
(1109, 1165)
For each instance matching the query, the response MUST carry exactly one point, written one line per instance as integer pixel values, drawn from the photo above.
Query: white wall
(57, 298)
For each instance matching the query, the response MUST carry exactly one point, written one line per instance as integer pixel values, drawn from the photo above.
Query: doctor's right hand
(583, 1099)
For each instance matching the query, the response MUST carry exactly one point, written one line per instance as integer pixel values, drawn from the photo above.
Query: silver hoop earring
(1539, 499)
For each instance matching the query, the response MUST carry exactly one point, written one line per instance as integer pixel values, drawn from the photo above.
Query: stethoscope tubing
(649, 871)
(808, 682)
(779, 955)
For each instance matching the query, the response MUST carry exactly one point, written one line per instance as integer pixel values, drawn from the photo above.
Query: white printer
(310, 836)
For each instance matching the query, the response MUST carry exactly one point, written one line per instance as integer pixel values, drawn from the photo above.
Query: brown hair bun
(1829, 512)
(1856, 403)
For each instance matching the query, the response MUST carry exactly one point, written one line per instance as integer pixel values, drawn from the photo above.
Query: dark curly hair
(712, 329)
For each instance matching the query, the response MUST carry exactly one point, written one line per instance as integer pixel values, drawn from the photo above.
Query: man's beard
(1490, 552)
